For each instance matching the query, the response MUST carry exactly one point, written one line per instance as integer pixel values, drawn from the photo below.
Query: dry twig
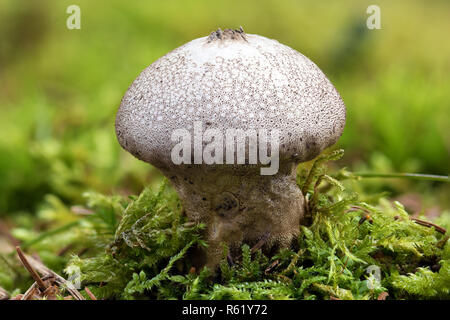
(89, 293)
(383, 296)
(30, 269)
(34, 265)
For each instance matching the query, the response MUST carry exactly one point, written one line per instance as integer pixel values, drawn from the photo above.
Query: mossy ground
(138, 248)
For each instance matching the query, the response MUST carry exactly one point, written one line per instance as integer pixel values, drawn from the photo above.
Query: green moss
(139, 248)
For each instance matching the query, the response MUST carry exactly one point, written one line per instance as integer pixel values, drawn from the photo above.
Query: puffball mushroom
(230, 79)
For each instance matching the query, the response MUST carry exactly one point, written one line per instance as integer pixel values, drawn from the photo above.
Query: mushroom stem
(238, 205)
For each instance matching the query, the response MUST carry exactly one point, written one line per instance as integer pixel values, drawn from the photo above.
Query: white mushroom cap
(231, 80)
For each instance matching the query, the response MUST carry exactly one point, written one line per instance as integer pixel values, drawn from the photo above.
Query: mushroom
(176, 116)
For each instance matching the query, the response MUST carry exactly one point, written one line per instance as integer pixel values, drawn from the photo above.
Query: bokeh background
(60, 88)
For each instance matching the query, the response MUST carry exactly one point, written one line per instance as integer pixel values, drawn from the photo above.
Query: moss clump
(354, 247)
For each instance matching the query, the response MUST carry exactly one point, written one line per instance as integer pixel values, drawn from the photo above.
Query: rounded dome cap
(231, 80)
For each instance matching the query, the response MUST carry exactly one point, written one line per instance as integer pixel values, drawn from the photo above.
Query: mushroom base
(238, 205)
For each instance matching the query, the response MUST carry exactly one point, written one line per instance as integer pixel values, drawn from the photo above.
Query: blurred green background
(60, 88)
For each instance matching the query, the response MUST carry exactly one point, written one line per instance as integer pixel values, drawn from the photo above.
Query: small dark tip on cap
(230, 34)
